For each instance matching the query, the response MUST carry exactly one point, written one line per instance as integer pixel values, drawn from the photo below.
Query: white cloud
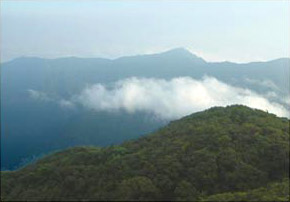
(171, 99)
(38, 95)
(265, 83)
(44, 97)
(286, 100)
(66, 104)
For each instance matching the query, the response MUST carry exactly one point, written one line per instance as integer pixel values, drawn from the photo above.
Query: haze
(215, 30)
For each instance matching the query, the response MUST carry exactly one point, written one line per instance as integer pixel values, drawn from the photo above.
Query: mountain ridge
(181, 52)
(66, 77)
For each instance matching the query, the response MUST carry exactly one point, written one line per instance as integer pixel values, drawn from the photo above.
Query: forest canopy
(222, 154)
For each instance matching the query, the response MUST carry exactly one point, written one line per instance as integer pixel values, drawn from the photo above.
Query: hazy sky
(238, 31)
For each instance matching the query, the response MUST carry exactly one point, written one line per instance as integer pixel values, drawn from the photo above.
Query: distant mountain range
(66, 75)
(221, 154)
(33, 125)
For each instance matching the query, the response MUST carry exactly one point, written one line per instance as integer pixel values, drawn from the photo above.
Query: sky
(236, 31)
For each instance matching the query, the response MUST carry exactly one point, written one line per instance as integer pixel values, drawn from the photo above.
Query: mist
(171, 99)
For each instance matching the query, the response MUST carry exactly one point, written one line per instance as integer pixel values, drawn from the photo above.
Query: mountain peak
(178, 51)
(182, 53)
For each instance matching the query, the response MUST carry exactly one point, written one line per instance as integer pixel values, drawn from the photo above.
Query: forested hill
(232, 153)
(41, 114)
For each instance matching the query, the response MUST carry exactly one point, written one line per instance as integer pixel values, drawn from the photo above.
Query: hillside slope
(36, 122)
(272, 192)
(220, 150)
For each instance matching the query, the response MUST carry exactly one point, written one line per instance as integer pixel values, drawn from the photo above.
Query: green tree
(137, 188)
(185, 192)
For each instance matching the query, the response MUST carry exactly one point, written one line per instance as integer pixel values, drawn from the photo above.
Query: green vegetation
(221, 154)
(273, 192)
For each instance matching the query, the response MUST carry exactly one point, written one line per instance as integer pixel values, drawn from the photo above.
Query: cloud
(66, 104)
(264, 83)
(286, 100)
(38, 95)
(44, 97)
(171, 99)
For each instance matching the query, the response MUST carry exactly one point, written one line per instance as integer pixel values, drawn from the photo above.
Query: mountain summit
(182, 53)
(174, 55)
(178, 51)
(227, 151)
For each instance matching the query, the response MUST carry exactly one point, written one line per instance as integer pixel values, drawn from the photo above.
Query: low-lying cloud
(171, 99)
(44, 97)
(167, 99)
(38, 95)
(264, 83)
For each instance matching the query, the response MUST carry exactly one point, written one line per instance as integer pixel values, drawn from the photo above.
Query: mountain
(33, 127)
(174, 55)
(224, 154)
(66, 76)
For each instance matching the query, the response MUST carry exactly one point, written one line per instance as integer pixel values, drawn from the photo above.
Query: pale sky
(237, 31)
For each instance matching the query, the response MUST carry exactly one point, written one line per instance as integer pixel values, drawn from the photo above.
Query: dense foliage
(221, 153)
(273, 192)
